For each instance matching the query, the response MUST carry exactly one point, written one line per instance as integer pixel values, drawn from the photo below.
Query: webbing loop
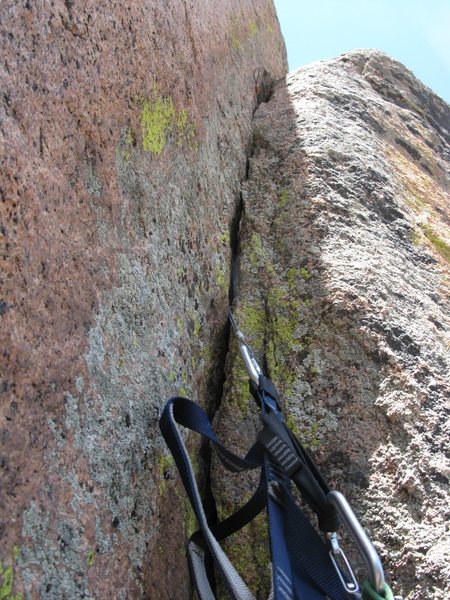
(295, 575)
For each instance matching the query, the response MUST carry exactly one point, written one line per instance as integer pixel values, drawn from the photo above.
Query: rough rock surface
(344, 294)
(124, 136)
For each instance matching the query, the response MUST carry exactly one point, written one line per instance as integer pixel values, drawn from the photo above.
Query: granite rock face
(344, 294)
(124, 137)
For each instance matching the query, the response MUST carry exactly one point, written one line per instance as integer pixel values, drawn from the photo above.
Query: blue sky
(415, 32)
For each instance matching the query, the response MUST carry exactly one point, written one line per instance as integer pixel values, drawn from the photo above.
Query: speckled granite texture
(344, 294)
(124, 137)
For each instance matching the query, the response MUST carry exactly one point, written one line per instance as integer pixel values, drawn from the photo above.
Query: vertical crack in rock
(218, 393)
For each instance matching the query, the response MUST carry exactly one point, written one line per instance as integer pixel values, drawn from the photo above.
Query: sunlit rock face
(124, 137)
(344, 294)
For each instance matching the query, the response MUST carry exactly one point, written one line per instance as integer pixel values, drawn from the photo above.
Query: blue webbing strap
(295, 575)
(309, 555)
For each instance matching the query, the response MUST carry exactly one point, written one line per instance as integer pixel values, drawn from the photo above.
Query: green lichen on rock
(252, 28)
(160, 120)
(221, 278)
(194, 319)
(305, 274)
(180, 326)
(224, 238)
(293, 275)
(258, 255)
(165, 463)
(283, 339)
(250, 554)
(234, 33)
(90, 557)
(415, 237)
(7, 578)
(251, 318)
(290, 422)
(157, 121)
(7, 583)
(238, 384)
(190, 520)
(438, 244)
(284, 198)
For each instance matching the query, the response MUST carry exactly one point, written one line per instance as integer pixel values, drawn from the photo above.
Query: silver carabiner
(361, 540)
(253, 369)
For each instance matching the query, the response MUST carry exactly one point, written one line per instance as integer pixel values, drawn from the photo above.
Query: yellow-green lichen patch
(252, 28)
(438, 244)
(257, 255)
(160, 120)
(310, 437)
(190, 521)
(195, 320)
(124, 150)
(283, 340)
(180, 326)
(284, 198)
(207, 354)
(90, 558)
(251, 320)
(221, 278)
(292, 276)
(421, 192)
(239, 394)
(7, 582)
(234, 33)
(7, 578)
(184, 379)
(304, 273)
(292, 424)
(157, 121)
(224, 239)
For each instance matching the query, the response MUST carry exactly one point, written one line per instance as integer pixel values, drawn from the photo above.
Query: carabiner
(361, 540)
(253, 369)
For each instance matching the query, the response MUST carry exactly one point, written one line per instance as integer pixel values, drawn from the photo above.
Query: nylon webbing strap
(287, 451)
(185, 412)
(295, 575)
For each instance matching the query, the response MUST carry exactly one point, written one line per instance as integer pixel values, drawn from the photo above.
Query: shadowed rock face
(124, 137)
(344, 294)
